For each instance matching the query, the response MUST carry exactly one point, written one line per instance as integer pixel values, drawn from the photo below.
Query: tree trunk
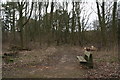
(21, 27)
(103, 27)
(114, 26)
(39, 27)
(14, 23)
(102, 22)
(73, 25)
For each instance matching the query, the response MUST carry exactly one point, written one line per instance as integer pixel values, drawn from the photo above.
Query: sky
(90, 6)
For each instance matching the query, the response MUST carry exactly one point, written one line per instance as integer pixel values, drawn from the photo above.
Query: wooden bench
(81, 59)
(86, 60)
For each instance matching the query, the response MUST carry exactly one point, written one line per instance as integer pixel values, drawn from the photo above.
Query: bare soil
(60, 62)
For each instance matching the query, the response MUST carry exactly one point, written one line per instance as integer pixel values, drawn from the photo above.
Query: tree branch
(30, 15)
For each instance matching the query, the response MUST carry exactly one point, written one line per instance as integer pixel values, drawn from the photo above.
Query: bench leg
(90, 65)
(90, 62)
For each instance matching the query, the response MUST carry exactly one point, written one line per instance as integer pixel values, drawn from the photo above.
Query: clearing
(60, 62)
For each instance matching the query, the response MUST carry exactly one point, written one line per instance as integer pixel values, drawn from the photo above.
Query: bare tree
(102, 21)
(114, 25)
(21, 6)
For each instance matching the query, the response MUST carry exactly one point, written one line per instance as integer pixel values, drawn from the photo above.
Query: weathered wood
(87, 59)
(81, 59)
(87, 54)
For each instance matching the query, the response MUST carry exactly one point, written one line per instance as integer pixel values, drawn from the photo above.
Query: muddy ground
(60, 62)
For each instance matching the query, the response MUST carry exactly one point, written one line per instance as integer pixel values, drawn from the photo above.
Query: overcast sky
(90, 6)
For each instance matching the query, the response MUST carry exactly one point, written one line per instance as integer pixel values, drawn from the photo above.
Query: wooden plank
(81, 59)
(87, 54)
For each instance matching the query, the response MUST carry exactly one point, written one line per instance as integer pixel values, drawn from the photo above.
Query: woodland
(41, 39)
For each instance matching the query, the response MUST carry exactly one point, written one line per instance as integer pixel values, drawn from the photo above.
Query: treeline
(53, 23)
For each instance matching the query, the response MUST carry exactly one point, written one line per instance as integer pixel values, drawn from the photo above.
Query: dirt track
(55, 62)
(61, 63)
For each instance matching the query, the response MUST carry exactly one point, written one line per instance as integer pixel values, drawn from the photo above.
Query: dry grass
(61, 62)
